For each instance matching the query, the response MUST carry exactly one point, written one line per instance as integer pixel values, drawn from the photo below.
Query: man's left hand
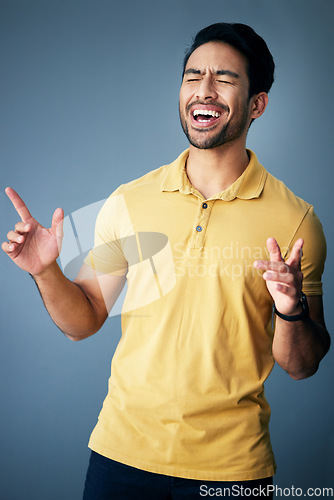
(283, 278)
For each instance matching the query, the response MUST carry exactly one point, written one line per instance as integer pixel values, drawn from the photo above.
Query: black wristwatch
(297, 317)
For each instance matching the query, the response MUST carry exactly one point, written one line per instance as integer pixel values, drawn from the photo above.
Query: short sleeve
(112, 228)
(314, 252)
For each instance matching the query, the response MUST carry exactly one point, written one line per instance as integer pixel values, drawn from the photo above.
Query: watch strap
(297, 317)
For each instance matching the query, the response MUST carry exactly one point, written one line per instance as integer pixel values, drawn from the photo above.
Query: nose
(206, 89)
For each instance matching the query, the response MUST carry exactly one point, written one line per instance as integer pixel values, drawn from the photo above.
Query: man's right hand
(78, 308)
(31, 246)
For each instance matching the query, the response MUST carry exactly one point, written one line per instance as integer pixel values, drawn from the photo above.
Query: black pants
(110, 480)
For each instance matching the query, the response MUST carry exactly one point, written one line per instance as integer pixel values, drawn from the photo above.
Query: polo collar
(248, 186)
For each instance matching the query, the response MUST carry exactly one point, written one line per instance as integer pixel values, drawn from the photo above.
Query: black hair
(261, 64)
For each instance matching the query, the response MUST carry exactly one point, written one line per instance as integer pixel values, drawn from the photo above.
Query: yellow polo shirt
(186, 395)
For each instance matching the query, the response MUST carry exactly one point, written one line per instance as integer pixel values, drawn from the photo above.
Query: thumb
(296, 253)
(57, 225)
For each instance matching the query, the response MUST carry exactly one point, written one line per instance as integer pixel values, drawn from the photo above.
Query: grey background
(89, 101)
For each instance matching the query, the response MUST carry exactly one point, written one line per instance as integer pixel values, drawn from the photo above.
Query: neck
(211, 171)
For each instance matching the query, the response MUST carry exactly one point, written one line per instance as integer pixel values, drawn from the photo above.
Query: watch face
(304, 302)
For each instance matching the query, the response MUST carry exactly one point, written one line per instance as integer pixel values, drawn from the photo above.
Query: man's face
(214, 96)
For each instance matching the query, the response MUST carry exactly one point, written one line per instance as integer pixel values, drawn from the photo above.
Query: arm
(298, 346)
(78, 308)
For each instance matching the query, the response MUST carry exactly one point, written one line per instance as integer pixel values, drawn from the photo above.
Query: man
(186, 415)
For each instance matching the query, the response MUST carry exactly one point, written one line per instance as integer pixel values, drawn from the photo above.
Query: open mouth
(205, 116)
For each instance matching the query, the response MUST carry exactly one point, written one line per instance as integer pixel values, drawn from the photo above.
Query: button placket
(202, 220)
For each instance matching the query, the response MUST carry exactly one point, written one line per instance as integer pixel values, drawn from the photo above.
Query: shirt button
(205, 205)
(199, 228)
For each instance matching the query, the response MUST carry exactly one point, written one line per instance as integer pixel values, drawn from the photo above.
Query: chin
(208, 142)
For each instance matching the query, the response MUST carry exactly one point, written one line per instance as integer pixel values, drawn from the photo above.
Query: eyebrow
(218, 72)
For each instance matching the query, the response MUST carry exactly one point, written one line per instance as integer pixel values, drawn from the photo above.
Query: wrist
(46, 272)
(298, 310)
(301, 312)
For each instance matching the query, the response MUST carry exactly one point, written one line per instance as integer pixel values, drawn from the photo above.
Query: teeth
(208, 112)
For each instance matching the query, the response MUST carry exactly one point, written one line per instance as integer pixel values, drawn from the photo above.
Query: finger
(8, 247)
(22, 227)
(274, 250)
(296, 253)
(267, 265)
(286, 278)
(19, 204)
(286, 290)
(14, 237)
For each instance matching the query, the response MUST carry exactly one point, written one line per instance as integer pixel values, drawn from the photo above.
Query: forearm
(67, 304)
(299, 346)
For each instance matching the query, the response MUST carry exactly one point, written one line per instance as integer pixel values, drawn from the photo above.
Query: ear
(259, 104)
